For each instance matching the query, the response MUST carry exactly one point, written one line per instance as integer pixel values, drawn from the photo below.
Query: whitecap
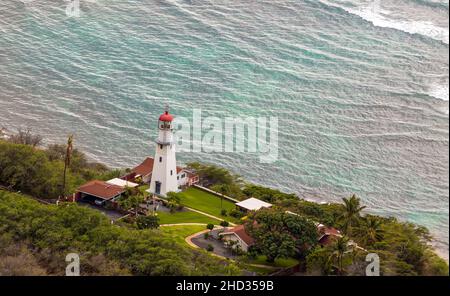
(439, 91)
(379, 18)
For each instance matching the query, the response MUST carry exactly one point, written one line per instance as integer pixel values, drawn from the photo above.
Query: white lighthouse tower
(164, 174)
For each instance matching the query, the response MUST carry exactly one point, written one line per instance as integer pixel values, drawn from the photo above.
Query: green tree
(318, 262)
(280, 234)
(145, 222)
(210, 226)
(351, 213)
(131, 202)
(369, 231)
(211, 175)
(338, 251)
(223, 189)
(267, 194)
(67, 160)
(174, 201)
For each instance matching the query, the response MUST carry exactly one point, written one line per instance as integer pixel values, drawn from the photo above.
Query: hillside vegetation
(39, 172)
(35, 238)
(42, 235)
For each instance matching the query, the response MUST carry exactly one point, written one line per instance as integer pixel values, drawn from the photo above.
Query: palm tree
(67, 162)
(351, 215)
(338, 250)
(223, 189)
(370, 231)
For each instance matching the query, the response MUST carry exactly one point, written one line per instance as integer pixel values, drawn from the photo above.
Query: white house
(242, 240)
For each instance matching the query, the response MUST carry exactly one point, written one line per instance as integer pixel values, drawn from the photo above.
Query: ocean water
(360, 88)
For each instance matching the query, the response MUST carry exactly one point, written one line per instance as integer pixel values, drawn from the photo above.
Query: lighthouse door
(158, 187)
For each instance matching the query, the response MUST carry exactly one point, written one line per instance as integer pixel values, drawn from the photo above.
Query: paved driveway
(219, 247)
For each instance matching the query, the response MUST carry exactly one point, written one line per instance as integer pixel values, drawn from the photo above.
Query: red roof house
(98, 191)
(239, 235)
(327, 235)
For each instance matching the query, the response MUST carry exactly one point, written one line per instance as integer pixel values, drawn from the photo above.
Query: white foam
(439, 91)
(379, 17)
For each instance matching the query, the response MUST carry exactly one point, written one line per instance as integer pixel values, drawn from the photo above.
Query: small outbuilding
(98, 192)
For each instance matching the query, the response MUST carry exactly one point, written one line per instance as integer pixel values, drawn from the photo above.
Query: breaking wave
(380, 18)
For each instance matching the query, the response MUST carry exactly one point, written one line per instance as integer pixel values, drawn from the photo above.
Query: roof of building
(326, 240)
(166, 116)
(241, 233)
(190, 174)
(122, 183)
(146, 167)
(253, 204)
(325, 230)
(101, 189)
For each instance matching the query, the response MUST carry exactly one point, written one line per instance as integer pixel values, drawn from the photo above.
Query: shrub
(223, 212)
(252, 252)
(224, 223)
(206, 235)
(210, 226)
(236, 214)
(144, 222)
(210, 248)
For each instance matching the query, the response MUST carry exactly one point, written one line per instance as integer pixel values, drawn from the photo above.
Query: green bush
(147, 222)
(236, 214)
(224, 223)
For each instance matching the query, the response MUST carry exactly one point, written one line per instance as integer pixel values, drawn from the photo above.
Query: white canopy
(122, 183)
(253, 204)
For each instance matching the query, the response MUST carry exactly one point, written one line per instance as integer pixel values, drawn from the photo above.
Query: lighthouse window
(160, 159)
(161, 146)
(171, 172)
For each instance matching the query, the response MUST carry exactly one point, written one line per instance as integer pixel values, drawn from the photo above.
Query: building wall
(165, 169)
(182, 181)
(233, 237)
(147, 178)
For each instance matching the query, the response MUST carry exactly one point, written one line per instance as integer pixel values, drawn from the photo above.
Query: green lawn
(280, 262)
(185, 217)
(207, 202)
(179, 233)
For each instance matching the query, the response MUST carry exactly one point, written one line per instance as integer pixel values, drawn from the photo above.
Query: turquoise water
(361, 91)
